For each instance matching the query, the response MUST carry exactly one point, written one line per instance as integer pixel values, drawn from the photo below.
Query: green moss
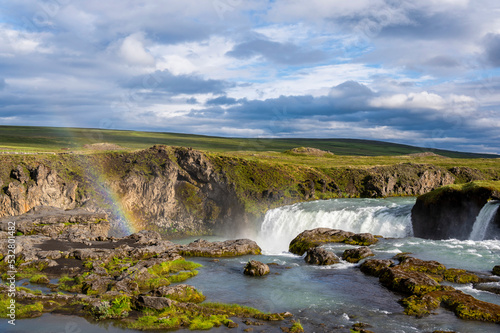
(29, 310)
(39, 279)
(460, 276)
(201, 323)
(115, 308)
(191, 198)
(188, 294)
(182, 276)
(73, 285)
(22, 310)
(420, 306)
(296, 328)
(471, 188)
(232, 310)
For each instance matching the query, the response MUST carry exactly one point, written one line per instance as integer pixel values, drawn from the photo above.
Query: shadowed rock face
(449, 213)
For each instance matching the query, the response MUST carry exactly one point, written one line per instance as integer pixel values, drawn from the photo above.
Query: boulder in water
(374, 267)
(256, 268)
(355, 255)
(319, 256)
(496, 270)
(315, 237)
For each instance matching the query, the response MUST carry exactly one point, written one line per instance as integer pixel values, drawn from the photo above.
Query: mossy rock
(315, 237)
(496, 270)
(460, 276)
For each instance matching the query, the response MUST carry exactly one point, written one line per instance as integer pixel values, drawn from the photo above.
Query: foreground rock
(256, 268)
(315, 237)
(202, 248)
(128, 279)
(356, 255)
(450, 211)
(319, 256)
(419, 280)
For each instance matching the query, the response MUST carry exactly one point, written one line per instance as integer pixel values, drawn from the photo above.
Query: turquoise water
(331, 298)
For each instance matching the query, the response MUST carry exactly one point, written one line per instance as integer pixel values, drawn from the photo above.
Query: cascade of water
(389, 218)
(483, 220)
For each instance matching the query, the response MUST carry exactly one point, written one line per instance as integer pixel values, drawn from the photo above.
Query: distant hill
(25, 138)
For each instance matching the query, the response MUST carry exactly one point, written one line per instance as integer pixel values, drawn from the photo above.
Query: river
(328, 298)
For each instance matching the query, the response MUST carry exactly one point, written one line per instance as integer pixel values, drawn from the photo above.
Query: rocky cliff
(183, 191)
(450, 211)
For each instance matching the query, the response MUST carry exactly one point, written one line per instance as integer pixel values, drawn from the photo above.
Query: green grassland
(54, 139)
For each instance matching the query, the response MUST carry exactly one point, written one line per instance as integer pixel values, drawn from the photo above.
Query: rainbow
(126, 222)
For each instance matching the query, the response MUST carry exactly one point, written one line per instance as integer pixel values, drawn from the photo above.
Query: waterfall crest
(386, 217)
(483, 220)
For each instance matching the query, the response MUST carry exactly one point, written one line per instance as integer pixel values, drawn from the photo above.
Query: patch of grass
(118, 307)
(39, 279)
(24, 138)
(296, 328)
(182, 276)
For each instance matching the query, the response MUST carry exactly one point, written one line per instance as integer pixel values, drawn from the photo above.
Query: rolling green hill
(21, 138)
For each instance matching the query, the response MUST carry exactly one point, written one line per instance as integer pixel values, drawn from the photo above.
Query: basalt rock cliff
(182, 191)
(450, 211)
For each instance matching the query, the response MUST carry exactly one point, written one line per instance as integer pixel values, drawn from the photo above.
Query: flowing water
(483, 220)
(329, 298)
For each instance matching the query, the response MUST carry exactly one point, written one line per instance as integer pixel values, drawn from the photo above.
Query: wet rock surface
(320, 256)
(357, 254)
(420, 281)
(315, 237)
(256, 268)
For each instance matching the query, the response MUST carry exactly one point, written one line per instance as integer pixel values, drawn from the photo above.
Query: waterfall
(386, 217)
(483, 220)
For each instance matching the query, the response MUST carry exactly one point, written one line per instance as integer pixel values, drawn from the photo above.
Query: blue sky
(424, 73)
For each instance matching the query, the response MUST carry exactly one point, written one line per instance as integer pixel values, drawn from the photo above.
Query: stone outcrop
(315, 237)
(256, 268)
(203, 248)
(319, 256)
(357, 254)
(405, 179)
(36, 185)
(74, 225)
(450, 211)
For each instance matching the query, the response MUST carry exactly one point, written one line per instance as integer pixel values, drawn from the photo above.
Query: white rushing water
(483, 220)
(386, 217)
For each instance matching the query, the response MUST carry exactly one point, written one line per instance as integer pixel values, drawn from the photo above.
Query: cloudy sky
(424, 72)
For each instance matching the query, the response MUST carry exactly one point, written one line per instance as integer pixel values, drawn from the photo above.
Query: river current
(327, 298)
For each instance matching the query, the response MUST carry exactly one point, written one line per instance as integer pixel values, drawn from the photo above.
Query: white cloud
(14, 42)
(423, 100)
(132, 50)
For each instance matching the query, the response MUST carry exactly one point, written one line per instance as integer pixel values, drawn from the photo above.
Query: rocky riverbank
(139, 281)
(181, 191)
(418, 280)
(133, 280)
